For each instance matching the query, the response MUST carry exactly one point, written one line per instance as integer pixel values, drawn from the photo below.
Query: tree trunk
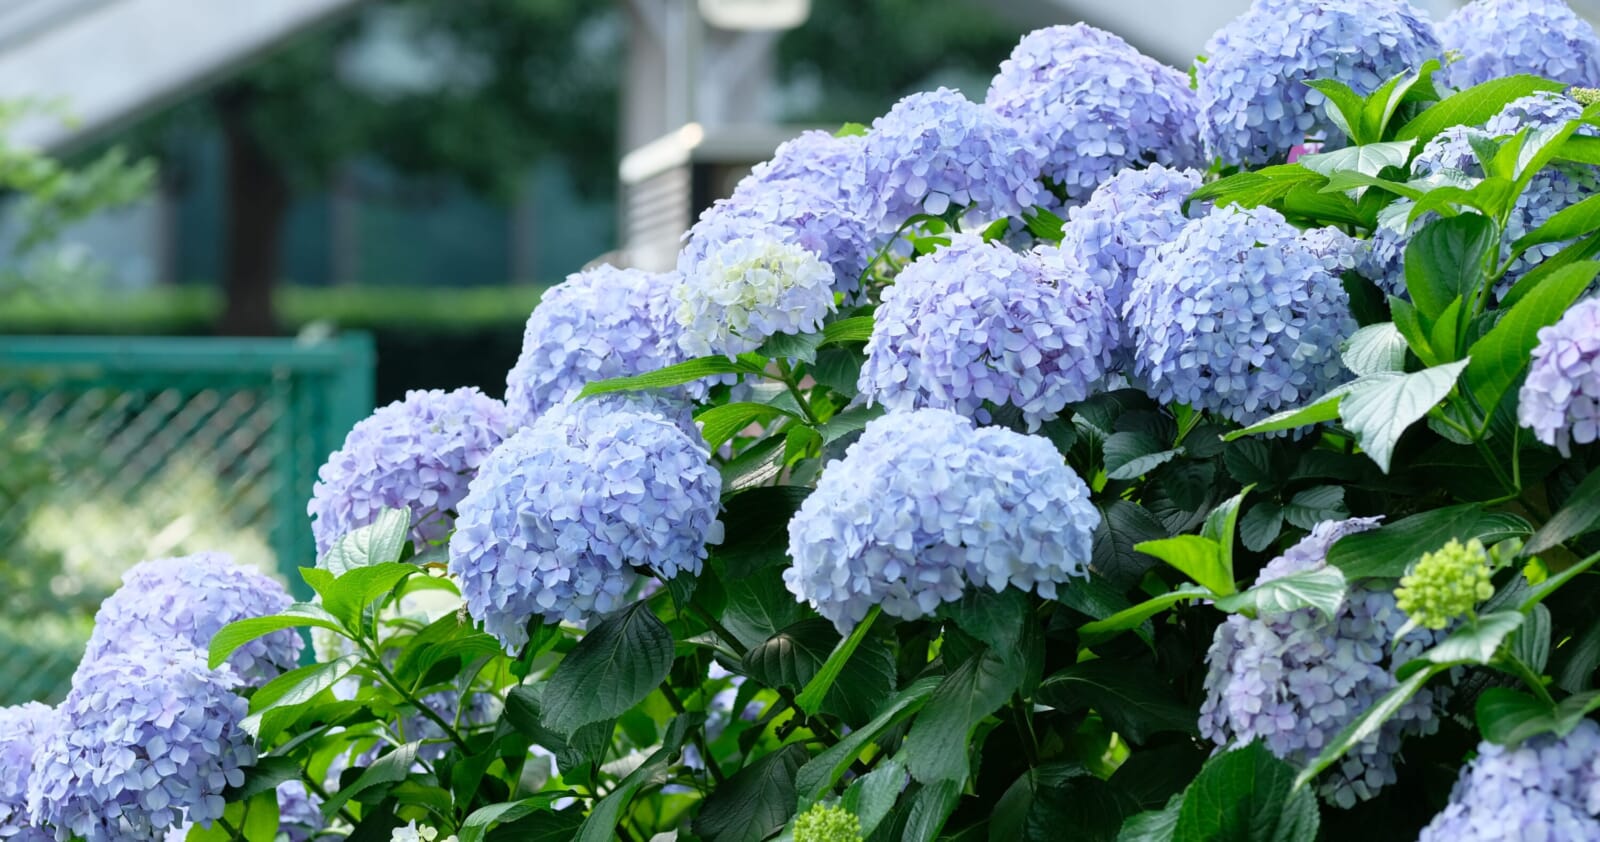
(256, 201)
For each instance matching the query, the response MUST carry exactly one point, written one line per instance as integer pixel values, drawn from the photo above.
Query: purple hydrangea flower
(1545, 790)
(1498, 38)
(299, 815)
(1254, 104)
(815, 213)
(417, 454)
(812, 155)
(482, 709)
(1094, 105)
(1560, 400)
(598, 324)
(22, 729)
(1294, 680)
(1239, 315)
(563, 512)
(936, 150)
(976, 321)
(923, 504)
(148, 739)
(1128, 216)
(744, 281)
(184, 602)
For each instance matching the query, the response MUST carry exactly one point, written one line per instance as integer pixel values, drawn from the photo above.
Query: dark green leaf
(1387, 551)
(931, 807)
(839, 369)
(1501, 356)
(810, 699)
(477, 824)
(378, 542)
(820, 774)
(1314, 505)
(1508, 717)
(1130, 455)
(759, 606)
(936, 747)
(1091, 633)
(793, 656)
(388, 769)
(294, 688)
(1154, 825)
(795, 346)
(849, 421)
(1246, 795)
(1379, 409)
(1580, 514)
(871, 796)
(1260, 526)
(1133, 700)
(1124, 525)
(616, 664)
(1446, 260)
(755, 530)
(755, 802)
(1091, 808)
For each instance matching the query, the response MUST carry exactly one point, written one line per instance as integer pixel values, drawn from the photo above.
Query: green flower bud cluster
(827, 823)
(1447, 583)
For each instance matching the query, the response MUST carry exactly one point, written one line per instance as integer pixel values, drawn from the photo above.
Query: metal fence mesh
(114, 451)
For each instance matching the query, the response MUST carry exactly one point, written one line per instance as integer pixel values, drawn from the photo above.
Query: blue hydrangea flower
(976, 321)
(563, 512)
(1294, 680)
(148, 739)
(1560, 400)
(745, 281)
(1128, 216)
(416, 454)
(936, 150)
(184, 602)
(598, 324)
(1498, 38)
(1546, 789)
(812, 155)
(1254, 104)
(1094, 105)
(1238, 315)
(22, 729)
(482, 709)
(299, 815)
(923, 504)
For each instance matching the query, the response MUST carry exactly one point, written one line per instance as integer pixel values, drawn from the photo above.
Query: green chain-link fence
(117, 450)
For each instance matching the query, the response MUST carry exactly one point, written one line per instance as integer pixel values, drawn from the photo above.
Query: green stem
(394, 684)
(1529, 677)
(816, 724)
(698, 737)
(233, 832)
(794, 389)
(322, 795)
(1494, 467)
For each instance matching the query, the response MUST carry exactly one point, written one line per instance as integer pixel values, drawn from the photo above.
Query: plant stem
(322, 793)
(698, 737)
(794, 389)
(816, 724)
(1529, 677)
(394, 684)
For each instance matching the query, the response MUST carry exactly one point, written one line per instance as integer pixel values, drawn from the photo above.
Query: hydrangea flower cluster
(1498, 38)
(299, 815)
(1446, 584)
(827, 823)
(598, 324)
(1254, 104)
(1547, 788)
(924, 503)
(416, 454)
(185, 601)
(1238, 315)
(22, 729)
(1093, 105)
(756, 281)
(563, 512)
(148, 739)
(937, 150)
(812, 155)
(1128, 216)
(1294, 680)
(976, 322)
(1560, 400)
(816, 213)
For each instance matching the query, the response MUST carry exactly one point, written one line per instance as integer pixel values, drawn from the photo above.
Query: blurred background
(228, 230)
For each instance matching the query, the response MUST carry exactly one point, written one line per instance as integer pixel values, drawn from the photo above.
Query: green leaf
(1043, 224)
(1258, 187)
(759, 605)
(852, 420)
(1539, 592)
(1198, 558)
(755, 533)
(797, 346)
(236, 634)
(1153, 825)
(376, 543)
(1133, 700)
(853, 329)
(292, 689)
(1219, 526)
(1314, 505)
(1129, 455)
(1261, 526)
(1446, 260)
(1344, 108)
(721, 423)
(1374, 349)
(1580, 514)
(1131, 618)
(601, 825)
(871, 796)
(931, 807)
(349, 595)
(1092, 808)
(1379, 410)
(1246, 794)
(483, 818)
(1325, 408)
(1472, 643)
(810, 699)
(1123, 525)
(1387, 551)
(672, 375)
(1321, 589)
(1508, 717)
(819, 775)
(388, 769)
(265, 776)
(755, 802)
(1473, 106)
(839, 369)
(1368, 159)
(1568, 223)
(1500, 357)
(936, 747)
(616, 664)
(793, 656)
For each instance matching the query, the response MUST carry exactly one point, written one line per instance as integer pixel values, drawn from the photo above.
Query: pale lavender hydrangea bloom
(923, 504)
(482, 709)
(812, 155)
(416, 454)
(598, 324)
(148, 739)
(753, 281)
(1546, 789)
(563, 513)
(1128, 216)
(185, 601)
(936, 150)
(1560, 400)
(1295, 679)
(22, 729)
(1505, 37)
(1238, 315)
(976, 321)
(299, 815)
(1254, 104)
(1094, 105)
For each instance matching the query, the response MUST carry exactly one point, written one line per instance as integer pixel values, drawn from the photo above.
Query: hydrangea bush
(1118, 457)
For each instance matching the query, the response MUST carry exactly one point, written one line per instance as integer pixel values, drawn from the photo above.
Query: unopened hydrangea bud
(827, 823)
(1446, 584)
